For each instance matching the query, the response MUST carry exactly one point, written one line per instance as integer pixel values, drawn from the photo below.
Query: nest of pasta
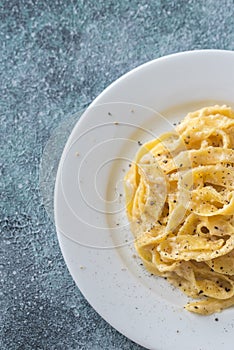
(180, 203)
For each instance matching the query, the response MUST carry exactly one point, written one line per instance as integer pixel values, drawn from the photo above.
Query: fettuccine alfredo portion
(180, 204)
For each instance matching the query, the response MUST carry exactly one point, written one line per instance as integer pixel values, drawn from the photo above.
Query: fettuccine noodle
(180, 203)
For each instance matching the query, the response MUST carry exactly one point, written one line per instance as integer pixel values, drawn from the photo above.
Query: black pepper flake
(139, 143)
(195, 307)
(200, 291)
(165, 161)
(109, 113)
(174, 201)
(159, 222)
(129, 165)
(227, 289)
(216, 319)
(216, 227)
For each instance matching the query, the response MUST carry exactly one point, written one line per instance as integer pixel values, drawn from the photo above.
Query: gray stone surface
(55, 58)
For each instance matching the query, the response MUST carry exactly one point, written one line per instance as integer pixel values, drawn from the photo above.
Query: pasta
(180, 203)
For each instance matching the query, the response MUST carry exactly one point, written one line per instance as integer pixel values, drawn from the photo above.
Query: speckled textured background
(56, 57)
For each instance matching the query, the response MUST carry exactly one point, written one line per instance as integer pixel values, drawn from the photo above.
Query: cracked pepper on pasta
(180, 203)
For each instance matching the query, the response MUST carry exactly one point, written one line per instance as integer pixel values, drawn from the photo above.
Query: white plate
(89, 207)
